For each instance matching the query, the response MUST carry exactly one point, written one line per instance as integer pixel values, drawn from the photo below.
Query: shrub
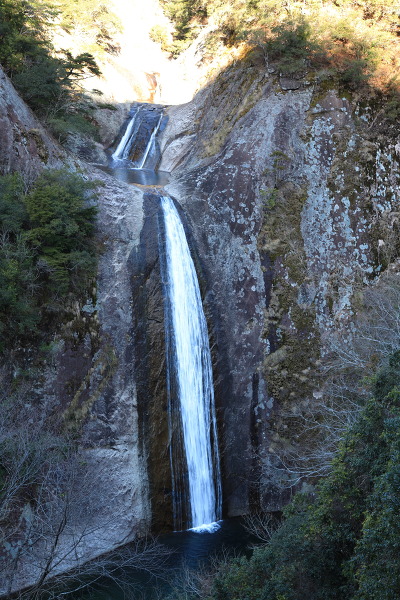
(160, 35)
(61, 227)
(344, 541)
(63, 125)
(291, 46)
(47, 251)
(13, 215)
(48, 81)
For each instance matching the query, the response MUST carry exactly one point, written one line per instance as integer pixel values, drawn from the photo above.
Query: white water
(192, 365)
(119, 153)
(151, 142)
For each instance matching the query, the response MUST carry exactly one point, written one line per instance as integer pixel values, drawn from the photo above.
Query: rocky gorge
(289, 193)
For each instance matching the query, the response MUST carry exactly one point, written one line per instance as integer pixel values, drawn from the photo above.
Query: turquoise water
(130, 175)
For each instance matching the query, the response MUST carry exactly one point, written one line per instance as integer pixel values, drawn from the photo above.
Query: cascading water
(189, 380)
(120, 152)
(138, 143)
(194, 456)
(151, 143)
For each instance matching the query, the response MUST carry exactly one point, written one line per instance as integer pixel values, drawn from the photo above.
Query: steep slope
(25, 146)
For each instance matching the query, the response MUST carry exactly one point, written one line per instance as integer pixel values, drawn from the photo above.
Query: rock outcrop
(285, 190)
(88, 376)
(25, 146)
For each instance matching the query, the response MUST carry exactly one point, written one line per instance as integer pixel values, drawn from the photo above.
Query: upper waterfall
(138, 143)
(190, 382)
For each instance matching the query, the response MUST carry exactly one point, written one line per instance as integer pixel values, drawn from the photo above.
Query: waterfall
(120, 151)
(190, 379)
(151, 143)
(193, 445)
(138, 143)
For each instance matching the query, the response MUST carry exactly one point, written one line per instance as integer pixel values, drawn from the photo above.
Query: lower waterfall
(192, 420)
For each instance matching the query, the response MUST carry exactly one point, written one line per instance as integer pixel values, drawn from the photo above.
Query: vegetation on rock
(49, 80)
(351, 43)
(47, 253)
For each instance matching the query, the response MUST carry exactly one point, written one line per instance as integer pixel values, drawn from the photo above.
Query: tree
(47, 525)
(93, 19)
(48, 80)
(343, 540)
(62, 228)
(47, 249)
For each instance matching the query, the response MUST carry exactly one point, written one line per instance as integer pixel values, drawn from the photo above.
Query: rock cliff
(88, 374)
(291, 195)
(25, 146)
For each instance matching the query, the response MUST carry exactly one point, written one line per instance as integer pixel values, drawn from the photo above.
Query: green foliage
(376, 556)
(392, 107)
(343, 542)
(355, 41)
(160, 35)
(12, 209)
(93, 18)
(61, 228)
(61, 126)
(187, 16)
(106, 106)
(19, 313)
(269, 197)
(291, 46)
(48, 81)
(355, 72)
(46, 248)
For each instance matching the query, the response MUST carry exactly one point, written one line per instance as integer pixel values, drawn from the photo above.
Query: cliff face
(292, 196)
(90, 379)
(290, 199)
(88, 375)
(24, 144)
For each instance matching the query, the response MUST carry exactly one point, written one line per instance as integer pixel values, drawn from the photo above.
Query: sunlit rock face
(25, 146)
(285, 189)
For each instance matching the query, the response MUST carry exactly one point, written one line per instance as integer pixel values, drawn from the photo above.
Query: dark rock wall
(150, 364)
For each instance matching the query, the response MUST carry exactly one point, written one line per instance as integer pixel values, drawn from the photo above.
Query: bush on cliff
(350, 42)
(47, 80)
(343, 542)
(47, 253)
